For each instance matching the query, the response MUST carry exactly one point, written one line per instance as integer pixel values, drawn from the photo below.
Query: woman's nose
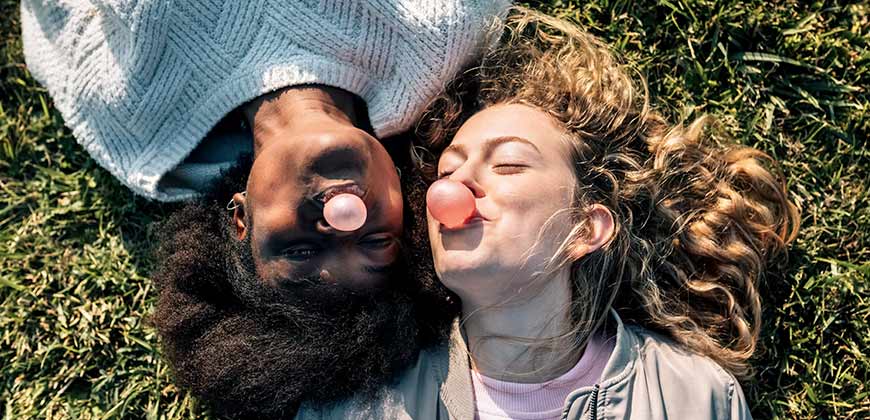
(467, 175)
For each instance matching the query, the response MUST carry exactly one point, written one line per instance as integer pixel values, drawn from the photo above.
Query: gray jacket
(648, 376)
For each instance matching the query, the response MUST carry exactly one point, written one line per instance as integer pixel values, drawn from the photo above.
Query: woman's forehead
(523, 125)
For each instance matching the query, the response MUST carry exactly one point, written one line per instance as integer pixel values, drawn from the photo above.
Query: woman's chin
(462, 267)
(461, 258)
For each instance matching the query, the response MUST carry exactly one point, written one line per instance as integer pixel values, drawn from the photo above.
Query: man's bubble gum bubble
(345, 212)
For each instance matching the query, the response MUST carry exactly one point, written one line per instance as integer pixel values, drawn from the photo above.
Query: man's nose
(326, 276)
(338, 156)
(342, 266)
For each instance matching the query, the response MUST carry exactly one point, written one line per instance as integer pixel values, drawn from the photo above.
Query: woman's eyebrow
(494, 142)
(490, 145)
(455, 148)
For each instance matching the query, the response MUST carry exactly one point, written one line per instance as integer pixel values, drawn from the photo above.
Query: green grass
(790, 78)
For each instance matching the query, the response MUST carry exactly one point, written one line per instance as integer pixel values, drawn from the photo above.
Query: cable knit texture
(141, 83)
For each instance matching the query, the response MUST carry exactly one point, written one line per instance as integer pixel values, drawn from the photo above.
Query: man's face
(288, 185)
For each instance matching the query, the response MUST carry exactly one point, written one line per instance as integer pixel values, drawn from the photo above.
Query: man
(152, 89)
(257, 342)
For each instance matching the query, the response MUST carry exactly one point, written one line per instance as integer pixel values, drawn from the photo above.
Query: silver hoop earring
(232, 205)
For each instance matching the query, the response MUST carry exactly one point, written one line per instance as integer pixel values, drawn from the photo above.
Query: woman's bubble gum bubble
(345, 212)
(450, 202)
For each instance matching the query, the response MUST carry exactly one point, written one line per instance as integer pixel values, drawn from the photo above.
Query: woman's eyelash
(510, 168)
(515, 166)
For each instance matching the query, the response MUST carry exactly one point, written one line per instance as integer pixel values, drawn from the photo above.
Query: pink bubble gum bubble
(450, 202)
(345, 212)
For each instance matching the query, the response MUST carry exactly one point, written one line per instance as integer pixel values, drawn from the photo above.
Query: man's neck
(290, 109)
(541, 320)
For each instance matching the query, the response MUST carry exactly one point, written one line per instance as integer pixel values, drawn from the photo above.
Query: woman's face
(287, 186)
(515, 160)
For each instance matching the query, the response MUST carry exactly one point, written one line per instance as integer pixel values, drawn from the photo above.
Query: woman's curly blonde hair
(697, 218)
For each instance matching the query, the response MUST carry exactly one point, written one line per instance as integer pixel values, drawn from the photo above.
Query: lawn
(788, 77)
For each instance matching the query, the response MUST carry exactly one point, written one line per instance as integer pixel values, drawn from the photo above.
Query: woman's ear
(600, 227)
(239, 219)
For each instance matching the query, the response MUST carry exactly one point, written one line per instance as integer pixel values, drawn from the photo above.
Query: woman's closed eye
(509, 168)
(446, 170)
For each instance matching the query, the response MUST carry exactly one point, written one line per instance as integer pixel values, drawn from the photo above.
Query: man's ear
(600, 229)
(239, 202)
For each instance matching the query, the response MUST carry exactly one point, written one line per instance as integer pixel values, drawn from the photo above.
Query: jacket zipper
(593, 404)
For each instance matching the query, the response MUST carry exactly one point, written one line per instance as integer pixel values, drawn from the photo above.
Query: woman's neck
(540, 320)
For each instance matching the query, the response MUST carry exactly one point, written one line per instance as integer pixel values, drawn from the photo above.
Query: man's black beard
(315, 343)
(253, 351)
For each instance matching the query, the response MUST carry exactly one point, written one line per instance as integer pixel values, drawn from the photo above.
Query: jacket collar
(456, 391)
(624, 356)
(454, 373)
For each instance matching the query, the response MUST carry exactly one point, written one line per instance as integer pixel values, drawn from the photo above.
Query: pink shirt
(496, 399)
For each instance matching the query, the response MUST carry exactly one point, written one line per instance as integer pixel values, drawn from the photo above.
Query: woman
(609, 266)
(668, 227)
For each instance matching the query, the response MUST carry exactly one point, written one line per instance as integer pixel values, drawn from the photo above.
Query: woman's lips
(475, 219)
